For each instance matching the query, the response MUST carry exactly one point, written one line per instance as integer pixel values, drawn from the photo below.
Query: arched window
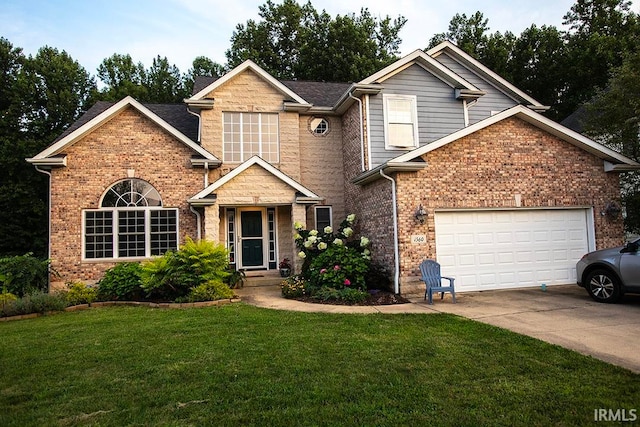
(131, 223)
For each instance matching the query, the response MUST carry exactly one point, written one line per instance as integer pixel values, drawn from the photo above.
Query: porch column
(298, 214)
(212, 223)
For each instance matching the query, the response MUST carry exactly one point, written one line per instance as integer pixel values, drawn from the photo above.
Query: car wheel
(603, 286)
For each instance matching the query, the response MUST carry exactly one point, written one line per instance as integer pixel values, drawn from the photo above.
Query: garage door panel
(505, 249)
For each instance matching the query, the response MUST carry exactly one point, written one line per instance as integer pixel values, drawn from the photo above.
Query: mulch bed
(374, 298)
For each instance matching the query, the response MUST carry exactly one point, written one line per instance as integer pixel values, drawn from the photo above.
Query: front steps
(262, 278)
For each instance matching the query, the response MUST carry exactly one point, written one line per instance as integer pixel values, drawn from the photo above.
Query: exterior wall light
(421, 214)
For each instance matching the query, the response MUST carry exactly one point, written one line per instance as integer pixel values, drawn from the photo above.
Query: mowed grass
(241, 365)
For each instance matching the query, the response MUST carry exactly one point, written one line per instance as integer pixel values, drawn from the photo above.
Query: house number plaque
(418, 239)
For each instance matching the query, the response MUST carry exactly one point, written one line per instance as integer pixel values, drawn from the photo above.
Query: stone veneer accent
(129, 141)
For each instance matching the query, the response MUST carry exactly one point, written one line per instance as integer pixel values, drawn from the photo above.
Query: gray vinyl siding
(439, 113)
(494, 100)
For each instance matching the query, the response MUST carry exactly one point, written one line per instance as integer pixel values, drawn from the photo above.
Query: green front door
(252, 239)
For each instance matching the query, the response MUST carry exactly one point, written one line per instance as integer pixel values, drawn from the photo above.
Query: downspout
(48, 228)
(206, 165)
(198, 222)
(362, 169)
(206, 177)
(396, 249)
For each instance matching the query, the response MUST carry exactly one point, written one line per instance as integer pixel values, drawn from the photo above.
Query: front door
(251, 239)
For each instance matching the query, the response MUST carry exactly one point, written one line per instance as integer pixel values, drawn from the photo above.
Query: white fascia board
(255, 160)
(248, 64)
(537, 120)
(425, 61)
(111, 112)
(465, 58)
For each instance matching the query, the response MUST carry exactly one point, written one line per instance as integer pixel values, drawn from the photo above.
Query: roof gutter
(389, 167)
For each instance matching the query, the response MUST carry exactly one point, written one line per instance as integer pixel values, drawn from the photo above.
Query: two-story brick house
(437, 156)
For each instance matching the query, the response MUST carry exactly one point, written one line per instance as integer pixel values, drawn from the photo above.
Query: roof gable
(476, 67)
(101, 115)
(255, 160)
(247, 65)
(534, 119)
(420, 58)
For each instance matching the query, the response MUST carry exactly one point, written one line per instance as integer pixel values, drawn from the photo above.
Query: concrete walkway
(563, 315)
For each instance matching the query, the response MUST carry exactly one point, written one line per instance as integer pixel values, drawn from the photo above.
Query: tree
(537, 65)
(164, 82)
(202, 66)
(122, 77)
(294, 41)
(41, 97)
(613, 117)
(468, 33)
(601, 33)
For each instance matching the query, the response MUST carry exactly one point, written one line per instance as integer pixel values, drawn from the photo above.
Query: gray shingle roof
(320, 94)
(174, 114)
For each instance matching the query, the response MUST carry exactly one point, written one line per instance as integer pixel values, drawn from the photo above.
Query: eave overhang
(620, 167)
(49, 162)
(201, 104)
(296, 107)
(356, 90)
(387, 168)
(199, 162)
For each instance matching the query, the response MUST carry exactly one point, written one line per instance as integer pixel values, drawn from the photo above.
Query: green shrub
(378, 277)
(23, 274)
(121, 282)
(7, 297)
(80, 293)
(211, 290)
(236, 278)
(293, 287)
(348, 295)
(35, 302)
(174, 274)
(339, 267)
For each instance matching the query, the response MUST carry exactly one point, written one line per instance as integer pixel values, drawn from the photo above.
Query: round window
(319, 126)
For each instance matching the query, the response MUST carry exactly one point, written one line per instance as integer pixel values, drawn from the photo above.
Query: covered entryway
(497, 249)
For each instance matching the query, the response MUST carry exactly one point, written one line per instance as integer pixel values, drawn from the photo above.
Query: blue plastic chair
(430, 271)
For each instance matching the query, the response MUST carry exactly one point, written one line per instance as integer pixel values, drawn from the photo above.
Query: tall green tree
(601, 33)
(164, 82)
(122, 77)
(202, 66)
(537, 65)
(294, 41)
(41, 96)
(613, 117)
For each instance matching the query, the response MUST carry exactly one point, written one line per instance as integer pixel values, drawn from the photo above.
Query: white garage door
(511, 249)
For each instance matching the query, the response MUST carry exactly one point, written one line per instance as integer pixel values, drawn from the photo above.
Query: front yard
(241, 365)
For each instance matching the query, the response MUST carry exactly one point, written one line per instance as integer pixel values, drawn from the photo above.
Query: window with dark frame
(130, 223)
(323, 217)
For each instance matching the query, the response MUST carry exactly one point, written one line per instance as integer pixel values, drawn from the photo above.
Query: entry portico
(252, 210)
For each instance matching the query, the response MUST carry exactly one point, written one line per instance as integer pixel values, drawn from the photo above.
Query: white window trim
(315, 214)
(386, 97)
(147, 231)
(241, 142)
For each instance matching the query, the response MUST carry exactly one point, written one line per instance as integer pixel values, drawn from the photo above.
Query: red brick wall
(128, 141)
(486, 170)
(371, 203)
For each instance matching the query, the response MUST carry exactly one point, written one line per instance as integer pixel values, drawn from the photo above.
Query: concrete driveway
(563, 315)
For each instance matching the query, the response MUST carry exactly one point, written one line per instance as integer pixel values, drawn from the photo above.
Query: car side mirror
(631, 247)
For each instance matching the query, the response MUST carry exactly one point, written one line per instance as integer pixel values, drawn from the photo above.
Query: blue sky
(181, 30)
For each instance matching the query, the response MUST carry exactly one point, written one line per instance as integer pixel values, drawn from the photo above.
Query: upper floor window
(249, 134)
(130, 223)
(400, 121)
(318, 126)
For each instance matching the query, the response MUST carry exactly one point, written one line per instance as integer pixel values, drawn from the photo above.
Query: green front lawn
(241, 365)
